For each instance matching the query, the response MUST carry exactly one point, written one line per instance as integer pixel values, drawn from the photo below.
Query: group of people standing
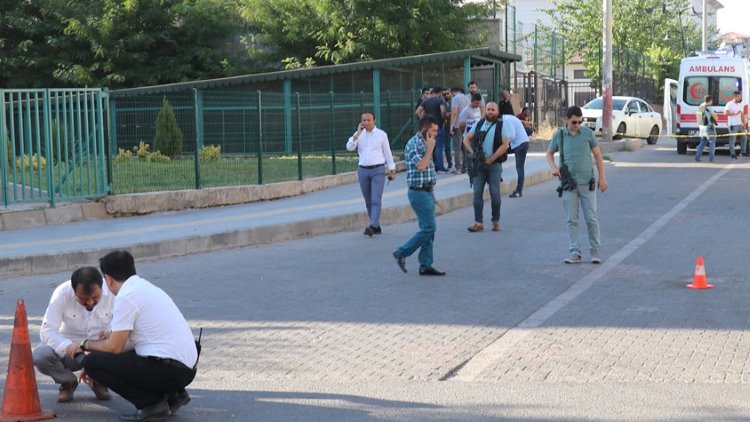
(481, 135)
(708, 120)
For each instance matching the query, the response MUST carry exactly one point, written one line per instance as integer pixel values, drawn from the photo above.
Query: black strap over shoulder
(497, 141)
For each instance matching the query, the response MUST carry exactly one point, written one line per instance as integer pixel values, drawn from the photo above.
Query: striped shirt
(414, 151)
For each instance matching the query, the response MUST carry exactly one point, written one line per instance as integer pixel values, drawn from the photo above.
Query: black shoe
(430, 271)
(177, 400)
(516, 195)
(368, 231)
(401, 261)
(376, 230)
(148, 413)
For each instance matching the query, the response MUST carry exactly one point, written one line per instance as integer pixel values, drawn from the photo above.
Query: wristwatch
(83, 344)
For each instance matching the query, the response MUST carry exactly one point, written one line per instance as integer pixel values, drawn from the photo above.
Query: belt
(424, 188)
(171, 362)
(372, 167)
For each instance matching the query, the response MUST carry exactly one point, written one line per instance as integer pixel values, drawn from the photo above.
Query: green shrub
(35, 162)
(168, 139)
(123, 155)
(210, 153)
(157, 157)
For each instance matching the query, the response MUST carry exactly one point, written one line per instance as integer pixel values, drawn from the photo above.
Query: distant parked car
(631, 118)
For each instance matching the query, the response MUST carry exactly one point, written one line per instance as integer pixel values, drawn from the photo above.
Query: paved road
(327, 327)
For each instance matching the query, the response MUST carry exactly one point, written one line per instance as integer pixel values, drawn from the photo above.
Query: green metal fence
(52, 145)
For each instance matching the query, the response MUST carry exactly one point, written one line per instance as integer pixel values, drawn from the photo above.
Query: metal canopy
(479, 57)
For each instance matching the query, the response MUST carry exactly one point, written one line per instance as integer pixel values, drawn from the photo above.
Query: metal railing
(52, 145)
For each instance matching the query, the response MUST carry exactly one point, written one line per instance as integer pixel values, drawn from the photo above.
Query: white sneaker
(596, 258)
(574, 258)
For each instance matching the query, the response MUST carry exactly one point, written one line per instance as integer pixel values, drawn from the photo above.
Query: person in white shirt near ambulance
(737, 123)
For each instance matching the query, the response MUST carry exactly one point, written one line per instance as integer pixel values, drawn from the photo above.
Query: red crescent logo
(697, 90)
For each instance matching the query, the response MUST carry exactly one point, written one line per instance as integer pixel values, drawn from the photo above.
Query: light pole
(607, 72)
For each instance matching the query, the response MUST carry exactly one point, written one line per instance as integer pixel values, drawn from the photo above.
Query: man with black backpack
(488, 149)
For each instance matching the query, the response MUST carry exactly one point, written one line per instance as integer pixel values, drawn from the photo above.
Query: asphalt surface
(327, 328)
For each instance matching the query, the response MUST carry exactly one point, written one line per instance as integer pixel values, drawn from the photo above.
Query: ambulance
(717, 73)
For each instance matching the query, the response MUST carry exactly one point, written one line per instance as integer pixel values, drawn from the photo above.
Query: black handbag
(567, 182)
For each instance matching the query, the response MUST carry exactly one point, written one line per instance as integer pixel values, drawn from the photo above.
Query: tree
(317, 32)
(641, 26)
(168, 138)
(115, 43)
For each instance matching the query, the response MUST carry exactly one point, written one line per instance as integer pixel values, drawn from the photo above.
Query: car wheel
(620, 133)
(653, 136)
(681, 147)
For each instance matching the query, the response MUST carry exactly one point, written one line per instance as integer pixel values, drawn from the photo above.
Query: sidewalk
(63, 247)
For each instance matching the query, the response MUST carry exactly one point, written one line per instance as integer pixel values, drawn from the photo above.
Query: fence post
(288, 116)
(332, 134)
(4, 153)
(299, 138)
(198, 109)
(376, 94)
(260, 139)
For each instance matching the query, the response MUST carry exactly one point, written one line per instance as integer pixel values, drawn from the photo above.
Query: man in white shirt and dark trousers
(734, 110)
(153, 377)
(374, 157)
(79, 309)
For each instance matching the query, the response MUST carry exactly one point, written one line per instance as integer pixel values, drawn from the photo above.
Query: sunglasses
(576, 122)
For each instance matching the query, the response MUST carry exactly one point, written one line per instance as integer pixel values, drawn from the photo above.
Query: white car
(631, 118)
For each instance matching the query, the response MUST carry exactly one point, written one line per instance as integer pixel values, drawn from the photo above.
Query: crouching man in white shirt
(79, 309)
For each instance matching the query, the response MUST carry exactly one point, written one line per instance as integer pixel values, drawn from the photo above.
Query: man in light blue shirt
(515, 133)
(487, 166)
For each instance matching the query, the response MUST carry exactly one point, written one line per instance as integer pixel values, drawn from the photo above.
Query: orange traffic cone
(699, 279)
(20, 396)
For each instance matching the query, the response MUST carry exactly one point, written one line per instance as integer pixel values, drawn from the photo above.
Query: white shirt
(67, 322)
(513, 130)
(469, 116)
(156, 325)
(733, 107)
(373, 148)
(458, 104)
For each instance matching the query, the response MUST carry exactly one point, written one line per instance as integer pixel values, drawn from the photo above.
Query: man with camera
(706, 128)
(578, 146)
(487, 146)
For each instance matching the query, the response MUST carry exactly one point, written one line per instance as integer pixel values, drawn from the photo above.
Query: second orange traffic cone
(20, 395)
(699, 278)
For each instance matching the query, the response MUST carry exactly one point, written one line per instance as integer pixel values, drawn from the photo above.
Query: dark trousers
(143, 381)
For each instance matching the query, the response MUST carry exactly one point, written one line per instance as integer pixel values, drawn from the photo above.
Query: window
(645, 108)
(579, 74)
(633, 107)
(720, 87)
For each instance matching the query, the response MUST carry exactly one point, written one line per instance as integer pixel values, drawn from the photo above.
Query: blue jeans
(423, 204)
(734, 130)
(573, 201)
(490, 176)
(711, 140)
(442, 138)
(372, 182)
(520, 153)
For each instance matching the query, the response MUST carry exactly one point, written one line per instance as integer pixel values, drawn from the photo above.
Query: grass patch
(139, 176)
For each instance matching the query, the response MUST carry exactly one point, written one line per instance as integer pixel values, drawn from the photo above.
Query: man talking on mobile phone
(374, 157)
(420, 177)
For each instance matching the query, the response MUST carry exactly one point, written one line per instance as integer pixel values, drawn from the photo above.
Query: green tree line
(131, 43)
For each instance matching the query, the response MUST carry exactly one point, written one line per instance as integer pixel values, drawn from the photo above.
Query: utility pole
(607, 72)
(704, 43)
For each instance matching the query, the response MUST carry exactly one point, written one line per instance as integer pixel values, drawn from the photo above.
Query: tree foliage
(302, 33)
(640, 26)
(115, 43)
